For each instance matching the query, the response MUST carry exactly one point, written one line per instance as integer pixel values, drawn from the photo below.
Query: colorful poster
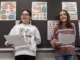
(17, 22)
(8, 10)
(50, 28)
(39, 10)
(71, 7)
(79, 27)
(0, 9)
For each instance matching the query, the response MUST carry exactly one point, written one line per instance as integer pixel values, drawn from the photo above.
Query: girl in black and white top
(31, 36)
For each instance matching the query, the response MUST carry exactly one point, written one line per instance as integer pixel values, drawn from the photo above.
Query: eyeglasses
(25, 14)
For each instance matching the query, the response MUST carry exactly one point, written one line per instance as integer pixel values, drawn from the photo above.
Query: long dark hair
(27, 11)
(68, 22)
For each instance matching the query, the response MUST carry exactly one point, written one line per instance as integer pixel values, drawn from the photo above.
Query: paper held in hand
(66, 38)
(17, 40)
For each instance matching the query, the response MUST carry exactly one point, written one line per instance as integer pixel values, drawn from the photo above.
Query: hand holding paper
(9, 45)
(17, 40)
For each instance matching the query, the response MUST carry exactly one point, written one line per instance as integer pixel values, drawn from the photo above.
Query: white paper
(66, 38)
(17, 40)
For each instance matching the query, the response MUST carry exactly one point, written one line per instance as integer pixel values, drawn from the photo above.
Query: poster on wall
(50, 28)
(71, 7)
(0, 9)
(39, 10)
(79, 27)
(8, 10)
(19, 22)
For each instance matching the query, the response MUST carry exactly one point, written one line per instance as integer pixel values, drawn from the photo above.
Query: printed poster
(79, 27)
(0, 9)
(50, 28)
(18, 22)
(8, 10)
(39, 10)
(71, 7)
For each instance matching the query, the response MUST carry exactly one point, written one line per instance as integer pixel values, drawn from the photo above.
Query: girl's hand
(58, 43)
(9, 45)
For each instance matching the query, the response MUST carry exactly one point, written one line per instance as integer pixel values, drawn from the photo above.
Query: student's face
(63, 16)
(25, 17)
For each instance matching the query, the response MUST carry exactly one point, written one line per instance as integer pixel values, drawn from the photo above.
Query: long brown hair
(27, 11)
(68, 22)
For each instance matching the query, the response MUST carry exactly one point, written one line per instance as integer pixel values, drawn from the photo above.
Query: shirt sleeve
(37, 36)
(74, 29)
(13, 31)
(54, 34)
(54, 37)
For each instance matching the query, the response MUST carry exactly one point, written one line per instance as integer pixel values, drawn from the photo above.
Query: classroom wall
(53, 9)
(54, 6)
